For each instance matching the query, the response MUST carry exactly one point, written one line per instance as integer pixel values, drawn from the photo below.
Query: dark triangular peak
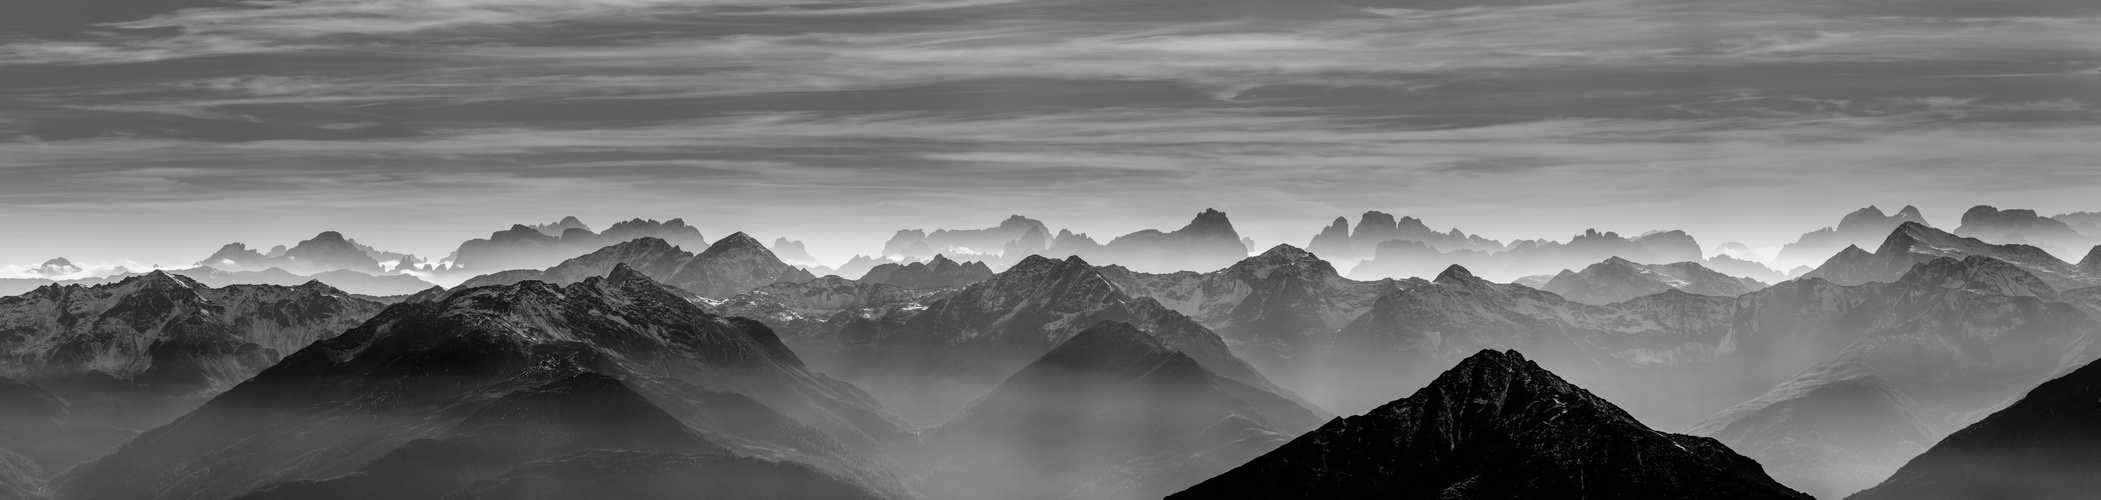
(2044, 446)
(1495, 426)
(2092, 263)
(1109, 413)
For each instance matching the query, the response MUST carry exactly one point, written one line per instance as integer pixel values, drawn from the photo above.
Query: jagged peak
(621, 273)
(2092, 262)
(1617, 261)
(327, 237)
(1210, 220)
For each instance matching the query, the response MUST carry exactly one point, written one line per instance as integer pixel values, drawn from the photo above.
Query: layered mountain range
(1278, 310)
(157, 343)
(374, 287)
(2044, 446)
(1110, 413)
(1864, 227)
(928, 361)
(531, 247)
(1619, 280)
(733, 265)
(939, 272)
(505, 387)
(1912, 243)
(1408, 258)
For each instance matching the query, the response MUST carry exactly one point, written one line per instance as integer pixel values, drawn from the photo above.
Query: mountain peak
(1455, 274)
(1285, 251)
(739, 242)
(1107, 340)
(1210, 221)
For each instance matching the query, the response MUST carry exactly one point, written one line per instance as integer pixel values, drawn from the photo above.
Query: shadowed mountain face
(1208, 242)
(937, 273)
(1940, 347)
(525, 247)
(1618, 280)
(928, 361)
(2044, 446)
(1111, 413)
(149, 347)
(429, 380)
(1278, 310)
(1864, 227)
(1495, 426)
(733, 265)
(1913, 243)
(41, 435)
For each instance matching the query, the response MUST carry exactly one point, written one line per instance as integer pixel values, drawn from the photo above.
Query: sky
(154, 131)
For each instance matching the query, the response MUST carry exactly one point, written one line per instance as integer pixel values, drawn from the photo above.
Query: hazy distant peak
(1210, 221)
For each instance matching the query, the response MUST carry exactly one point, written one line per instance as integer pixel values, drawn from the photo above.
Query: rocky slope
(2044, 446)
(159, 343)
(1495, 426)
(429, 398)
(1110, 413)
(1617, 280)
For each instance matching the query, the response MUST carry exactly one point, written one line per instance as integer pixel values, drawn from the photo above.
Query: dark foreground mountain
(2045, 446)
(734, 264)
(1619, 280)
(429, 398)
(147, 348)
(1495, 426)
(1111, 413)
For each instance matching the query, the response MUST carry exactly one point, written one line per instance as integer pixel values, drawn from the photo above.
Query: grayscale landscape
(1050, 249)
